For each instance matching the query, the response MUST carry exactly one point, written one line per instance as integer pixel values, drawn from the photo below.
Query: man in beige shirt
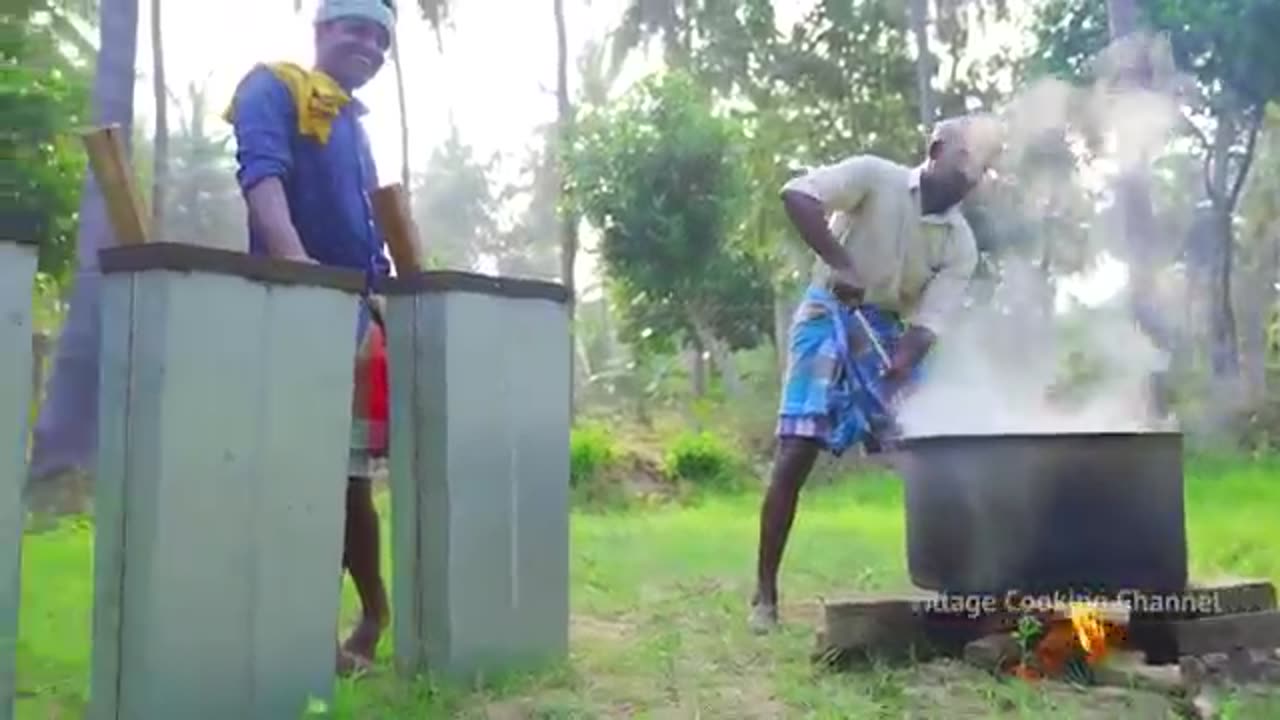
(897, 254)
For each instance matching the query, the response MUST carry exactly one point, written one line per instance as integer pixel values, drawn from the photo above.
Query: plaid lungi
(370, 401)
(833, 391)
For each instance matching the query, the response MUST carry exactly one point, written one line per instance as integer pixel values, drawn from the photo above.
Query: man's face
(351, 50)
(951, 173)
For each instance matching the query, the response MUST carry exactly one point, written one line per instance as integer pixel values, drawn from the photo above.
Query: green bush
(592, 450)
(704, 461)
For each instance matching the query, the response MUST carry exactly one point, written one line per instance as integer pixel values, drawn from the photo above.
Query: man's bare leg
(361, 558)
(792, 464)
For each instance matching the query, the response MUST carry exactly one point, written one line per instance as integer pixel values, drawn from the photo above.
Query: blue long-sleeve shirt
(327, 185)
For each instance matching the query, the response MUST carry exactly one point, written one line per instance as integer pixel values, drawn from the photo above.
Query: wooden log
(872, 628)
(1165, 641)
(993, 653)
(1227, 597)
(1130, 670)
(110, 164)
(1238, 667)
(1228, 632)
(391, 205)
(1235, 596)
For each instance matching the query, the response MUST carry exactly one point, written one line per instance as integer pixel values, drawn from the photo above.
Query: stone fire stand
(480, 394)
(17, 273)
(225, 416)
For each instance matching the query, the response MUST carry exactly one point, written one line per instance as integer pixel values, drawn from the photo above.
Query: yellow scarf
(317, 96)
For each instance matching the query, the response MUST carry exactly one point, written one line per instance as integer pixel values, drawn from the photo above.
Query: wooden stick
(110, 165)
(391, 204)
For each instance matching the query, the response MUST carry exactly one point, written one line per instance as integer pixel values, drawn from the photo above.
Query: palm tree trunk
(65, 435)
(918, 15)
(160, 172)
(564, 135)
(404, 116)
(1223, 349)
(1257, 301)
(1122, 17)
(1133, 193)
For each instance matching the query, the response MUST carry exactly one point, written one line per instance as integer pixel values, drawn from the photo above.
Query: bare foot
(363, 642)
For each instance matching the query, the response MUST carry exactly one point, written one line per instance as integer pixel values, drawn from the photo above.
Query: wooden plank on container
(110, 163)
(391, 205)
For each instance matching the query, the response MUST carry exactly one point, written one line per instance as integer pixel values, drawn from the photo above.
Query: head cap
(382, 12)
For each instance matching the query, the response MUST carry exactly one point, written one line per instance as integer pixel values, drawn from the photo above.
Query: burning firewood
(1069, 642)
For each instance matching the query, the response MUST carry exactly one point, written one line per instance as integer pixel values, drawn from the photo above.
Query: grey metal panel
(538, 391)
(17, 272)
(478, 563)
(301, 494)
(227, 463)
(115, 383)
(414, 456)
(488, 473)
(185, 600)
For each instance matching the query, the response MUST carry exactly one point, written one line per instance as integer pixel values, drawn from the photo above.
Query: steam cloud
(1003, 367)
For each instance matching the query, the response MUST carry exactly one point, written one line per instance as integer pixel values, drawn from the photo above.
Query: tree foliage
(454, 205)
(43, 99)
(1228, 45)
(1229, 52)
(203, 202)
(660, 175)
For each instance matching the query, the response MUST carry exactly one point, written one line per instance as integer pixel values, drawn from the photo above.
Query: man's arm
(263, 118)
(381, 263)
(269, 215)
(809, 216)
(942, 298)
(810, 197)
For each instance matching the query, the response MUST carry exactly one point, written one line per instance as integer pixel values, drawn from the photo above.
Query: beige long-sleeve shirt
(914, 264)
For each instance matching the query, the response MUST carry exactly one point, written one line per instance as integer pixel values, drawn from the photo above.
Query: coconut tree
(160, 146)
(918, 18)
(65, 432)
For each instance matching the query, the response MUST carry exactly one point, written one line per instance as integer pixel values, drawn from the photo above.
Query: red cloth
(373, 390)
(379, 385)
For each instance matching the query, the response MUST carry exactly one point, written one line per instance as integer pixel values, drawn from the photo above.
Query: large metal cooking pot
(1045, 513)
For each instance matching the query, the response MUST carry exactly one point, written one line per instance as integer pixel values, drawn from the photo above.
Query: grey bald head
(961, 151)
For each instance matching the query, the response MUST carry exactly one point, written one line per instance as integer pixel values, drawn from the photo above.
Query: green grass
(659, 600)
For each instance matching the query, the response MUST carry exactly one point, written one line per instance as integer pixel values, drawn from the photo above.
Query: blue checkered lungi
(833, 391)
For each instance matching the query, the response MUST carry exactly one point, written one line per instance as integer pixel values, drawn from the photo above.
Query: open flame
(1083, 634)
(1090, 632)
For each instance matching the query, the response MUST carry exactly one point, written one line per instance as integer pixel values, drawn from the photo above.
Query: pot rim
(1048, 436)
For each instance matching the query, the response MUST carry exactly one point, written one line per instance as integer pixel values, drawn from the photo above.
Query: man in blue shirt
(306, 171)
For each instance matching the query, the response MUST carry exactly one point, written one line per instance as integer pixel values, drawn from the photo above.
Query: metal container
(1097, 513)
(220, 482)
(480, 418)
(17, 272)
